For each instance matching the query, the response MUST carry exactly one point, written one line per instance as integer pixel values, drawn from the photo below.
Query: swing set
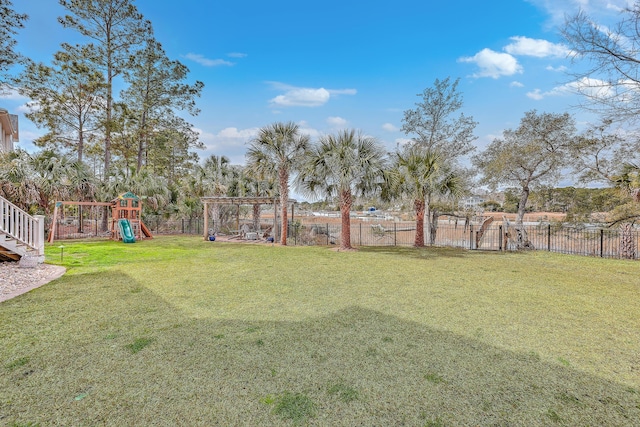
(119, 219)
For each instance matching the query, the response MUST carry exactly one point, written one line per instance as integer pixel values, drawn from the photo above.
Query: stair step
(9, 255)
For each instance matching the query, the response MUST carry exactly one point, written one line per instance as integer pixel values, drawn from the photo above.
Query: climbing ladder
(21, 234)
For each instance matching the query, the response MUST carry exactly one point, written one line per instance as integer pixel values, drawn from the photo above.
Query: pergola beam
(243, 200)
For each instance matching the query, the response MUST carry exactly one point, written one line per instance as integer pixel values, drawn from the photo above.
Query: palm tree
(212, 179)
(421, 174)
(344, 165)
(17, 183)
(60, 177)
(278, 149)
(249, 182)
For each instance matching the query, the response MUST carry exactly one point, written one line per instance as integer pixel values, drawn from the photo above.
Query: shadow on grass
(427, 252)
(356, 366)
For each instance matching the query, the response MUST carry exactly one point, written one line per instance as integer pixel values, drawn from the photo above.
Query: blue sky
(332, 64)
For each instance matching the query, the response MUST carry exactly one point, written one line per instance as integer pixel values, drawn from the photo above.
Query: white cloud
(535, 47)
(227, 138)
(558, 10)
(535, 94)
(305, 97)
(236, 55)
(493, 64)
(306, 129)
(389, 127)
(560, 69)
(516, 83)
(234, 133)
(27, 136)
(337, 122)
(8, 92)
(200, 59)
(302, 97)
(342, 91)
(27, 108)
(233, 142)
(593, 88)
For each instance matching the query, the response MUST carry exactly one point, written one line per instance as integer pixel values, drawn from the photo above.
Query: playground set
(124, 223)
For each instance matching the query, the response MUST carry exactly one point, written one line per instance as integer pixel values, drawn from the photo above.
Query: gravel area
(16, 280)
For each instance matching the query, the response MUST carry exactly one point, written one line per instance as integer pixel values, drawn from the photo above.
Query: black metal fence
(159, 225)
(560, 238)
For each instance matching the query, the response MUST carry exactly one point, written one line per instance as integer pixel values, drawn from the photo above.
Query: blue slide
(125, 231)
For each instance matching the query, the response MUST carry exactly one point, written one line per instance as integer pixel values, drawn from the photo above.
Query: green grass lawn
(179, 331)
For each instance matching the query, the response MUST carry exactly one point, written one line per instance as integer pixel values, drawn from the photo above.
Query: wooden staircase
(21, 235)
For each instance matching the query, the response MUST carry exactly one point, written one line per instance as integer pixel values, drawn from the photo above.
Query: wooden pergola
(238, 201)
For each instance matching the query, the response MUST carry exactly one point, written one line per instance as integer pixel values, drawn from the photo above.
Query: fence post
(327, 234)
(500, 238)
(548, 237)
(470, 237)
(360, 238)
(395, 235)
(601, 243)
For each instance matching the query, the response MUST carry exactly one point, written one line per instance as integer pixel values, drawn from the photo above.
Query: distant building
(471, 203)
(8, 130)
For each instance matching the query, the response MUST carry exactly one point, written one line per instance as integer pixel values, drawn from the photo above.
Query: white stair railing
(19, 225)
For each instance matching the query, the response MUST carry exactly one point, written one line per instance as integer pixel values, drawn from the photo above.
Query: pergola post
(238, 217)
(206, 221)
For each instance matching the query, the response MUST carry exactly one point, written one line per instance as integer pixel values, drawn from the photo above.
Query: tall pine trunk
(142, 144)
(109, 124)
(80, 140)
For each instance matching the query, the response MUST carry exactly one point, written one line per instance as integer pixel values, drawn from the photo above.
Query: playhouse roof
(127, 195)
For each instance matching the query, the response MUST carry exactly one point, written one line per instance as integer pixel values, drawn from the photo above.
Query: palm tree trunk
(427, 216)
(345, 210)
(418, 206)
(433, 226)
(284, 198)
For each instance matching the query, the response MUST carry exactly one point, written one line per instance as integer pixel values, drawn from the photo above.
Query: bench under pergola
(239, 201)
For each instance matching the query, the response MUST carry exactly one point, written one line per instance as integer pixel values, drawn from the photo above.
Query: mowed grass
(178, 331)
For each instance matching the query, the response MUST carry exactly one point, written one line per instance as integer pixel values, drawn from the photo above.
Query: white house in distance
(8, 130)
(471, 203)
